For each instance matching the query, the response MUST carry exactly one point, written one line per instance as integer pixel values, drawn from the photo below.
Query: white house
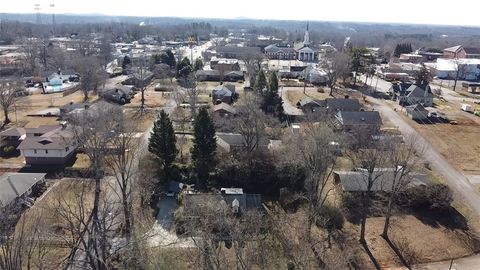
(54, 147)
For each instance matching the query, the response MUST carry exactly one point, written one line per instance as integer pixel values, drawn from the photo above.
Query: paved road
(456, 180)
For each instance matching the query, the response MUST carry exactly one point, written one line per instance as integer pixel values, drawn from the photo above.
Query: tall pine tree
(204, 147)
(272, 102)
(162, 142)
(260, 82)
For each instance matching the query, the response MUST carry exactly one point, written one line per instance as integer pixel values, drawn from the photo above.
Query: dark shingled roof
(359, 118)
(247, 201)
(357, 180)
(419, 91)
(343, 104)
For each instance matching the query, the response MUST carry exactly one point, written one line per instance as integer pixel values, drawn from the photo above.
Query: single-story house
(238, 202)
(233, 142)
(417, 112)
(12, 136)
(54, 147)
(236, 52)
(72, 108)
(15, 187)
(118, 95)
(308, 104)
(357, 181)
(223, 93)
(350, 121)
(215, 76)
(224, 110)
(335, 105)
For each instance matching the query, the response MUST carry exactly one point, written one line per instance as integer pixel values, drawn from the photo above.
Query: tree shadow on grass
(449, 218)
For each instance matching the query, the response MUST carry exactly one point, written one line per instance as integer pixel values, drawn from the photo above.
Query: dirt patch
(418, 242)
(459, 143)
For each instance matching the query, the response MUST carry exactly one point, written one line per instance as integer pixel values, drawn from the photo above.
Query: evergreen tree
(204, 146)
(168, 58)
(272, 102)
(423, 76)
(126, 62)
(162, 141)
(273, 83)
(260, 82)
(198, 64)
(184, 68)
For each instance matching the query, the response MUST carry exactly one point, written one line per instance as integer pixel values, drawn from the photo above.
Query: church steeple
(306, 38)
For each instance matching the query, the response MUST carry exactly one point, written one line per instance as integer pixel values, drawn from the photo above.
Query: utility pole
(52, 5)
(37, 8)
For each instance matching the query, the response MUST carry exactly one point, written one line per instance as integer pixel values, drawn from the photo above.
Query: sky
(464, 12)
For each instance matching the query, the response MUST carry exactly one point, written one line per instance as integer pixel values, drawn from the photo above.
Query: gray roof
(56, 139)
(275, 48)
(359, 118)
(343, 104)
(383, 178)
(416, 107)
(13, 185)
(41, 129)
(308, 100)
(14, 131)
(417, 91)
(207, 73)
(232, 138)
(222, 91)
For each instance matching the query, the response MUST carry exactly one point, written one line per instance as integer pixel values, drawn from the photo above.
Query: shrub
(8, 149)
(179, 221)
(434, 196)
(330, 218)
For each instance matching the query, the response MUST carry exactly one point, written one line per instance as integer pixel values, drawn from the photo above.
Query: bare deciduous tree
(92, 74)
(403, 158)
(9, 91)
(335, 64)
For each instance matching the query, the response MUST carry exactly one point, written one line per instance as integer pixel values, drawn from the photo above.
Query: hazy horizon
(367, 11)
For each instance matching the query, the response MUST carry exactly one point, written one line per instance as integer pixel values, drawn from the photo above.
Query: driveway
(161, 234)
(288, 108)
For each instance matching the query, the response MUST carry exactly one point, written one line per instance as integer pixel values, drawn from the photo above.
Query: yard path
(289, 109)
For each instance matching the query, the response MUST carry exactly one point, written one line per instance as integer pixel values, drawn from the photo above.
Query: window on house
(35, 151)
(46, 151)
(67, 148)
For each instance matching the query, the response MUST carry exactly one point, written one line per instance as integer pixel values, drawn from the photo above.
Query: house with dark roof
(16, 187)
(361, 120)
(417, 95)
(236, 52)
(329, 105)
(234, 142)
(357, 181)
(48, 146)
(12, 136)
(223, 93)
(216, 76)
(416, 112)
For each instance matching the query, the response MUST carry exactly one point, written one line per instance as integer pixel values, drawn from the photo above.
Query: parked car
(117, 95)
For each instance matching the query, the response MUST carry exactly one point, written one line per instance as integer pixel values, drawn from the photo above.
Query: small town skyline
(370, 11)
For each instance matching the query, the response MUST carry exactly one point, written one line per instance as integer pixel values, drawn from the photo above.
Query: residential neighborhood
(231, 142)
